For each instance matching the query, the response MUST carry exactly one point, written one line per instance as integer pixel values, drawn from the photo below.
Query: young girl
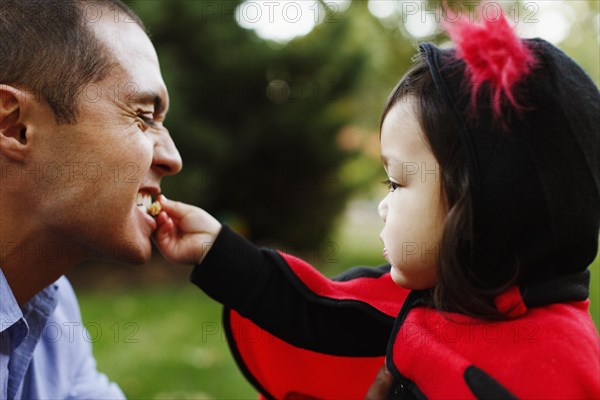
(489, 255)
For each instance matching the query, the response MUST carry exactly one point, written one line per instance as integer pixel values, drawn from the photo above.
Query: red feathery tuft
(493, 53)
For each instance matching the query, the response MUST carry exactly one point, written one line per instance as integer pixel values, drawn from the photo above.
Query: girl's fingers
(189, 219)
(166, 230)
(175, 209)
(161, 218)
(162, 235)
(182, 229)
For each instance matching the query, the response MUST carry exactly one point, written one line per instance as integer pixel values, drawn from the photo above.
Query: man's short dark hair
(48, 48)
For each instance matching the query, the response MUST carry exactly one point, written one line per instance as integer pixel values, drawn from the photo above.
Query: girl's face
(414, 210)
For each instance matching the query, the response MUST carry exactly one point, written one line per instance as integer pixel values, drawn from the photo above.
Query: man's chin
(128, 243)
(134, 252)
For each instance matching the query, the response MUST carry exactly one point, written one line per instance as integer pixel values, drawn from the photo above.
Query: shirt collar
(43, 303)
(38, 309)
(10, 312)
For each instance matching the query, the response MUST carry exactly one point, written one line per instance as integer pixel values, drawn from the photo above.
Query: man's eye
(391, 185)
(147, 118)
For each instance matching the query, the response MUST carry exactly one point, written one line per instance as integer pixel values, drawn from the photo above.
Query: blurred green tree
(255, 122)
(276, 138)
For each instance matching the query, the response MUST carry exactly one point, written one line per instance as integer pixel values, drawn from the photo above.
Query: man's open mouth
(144, 202)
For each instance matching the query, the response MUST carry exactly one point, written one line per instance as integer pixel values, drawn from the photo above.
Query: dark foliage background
(258, 123)
(276, 138)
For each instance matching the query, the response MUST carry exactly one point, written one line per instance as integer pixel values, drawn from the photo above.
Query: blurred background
(275, 108)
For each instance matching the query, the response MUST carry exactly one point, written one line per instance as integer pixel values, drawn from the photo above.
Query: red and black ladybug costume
(536, 200)
(296, 334)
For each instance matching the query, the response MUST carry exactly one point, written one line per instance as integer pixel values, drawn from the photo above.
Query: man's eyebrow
(149, 98)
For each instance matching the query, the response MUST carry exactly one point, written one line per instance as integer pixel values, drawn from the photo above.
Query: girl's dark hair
(457, 288)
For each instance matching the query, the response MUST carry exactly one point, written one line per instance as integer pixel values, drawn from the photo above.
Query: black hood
(535, 174)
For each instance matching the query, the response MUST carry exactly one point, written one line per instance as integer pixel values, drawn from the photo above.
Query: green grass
(163, 343)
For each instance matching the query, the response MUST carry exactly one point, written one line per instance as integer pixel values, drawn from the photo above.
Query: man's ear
(13, 132)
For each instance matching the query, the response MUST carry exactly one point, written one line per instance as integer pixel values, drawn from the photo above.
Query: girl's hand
(185, 233)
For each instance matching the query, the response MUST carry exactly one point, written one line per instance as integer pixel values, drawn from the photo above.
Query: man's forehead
(136, 62)
(127, 40)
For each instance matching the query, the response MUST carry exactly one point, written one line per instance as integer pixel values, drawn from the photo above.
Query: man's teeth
(143, 200)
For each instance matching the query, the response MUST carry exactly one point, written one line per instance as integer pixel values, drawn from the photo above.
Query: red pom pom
(493, 53)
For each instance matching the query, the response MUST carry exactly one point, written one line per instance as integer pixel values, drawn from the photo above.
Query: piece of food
(154, 209)
(145, 204)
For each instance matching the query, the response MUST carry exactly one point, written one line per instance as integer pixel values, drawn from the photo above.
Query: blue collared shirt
(45, 351)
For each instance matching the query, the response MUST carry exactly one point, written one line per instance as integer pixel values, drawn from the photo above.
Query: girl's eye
(391, 185)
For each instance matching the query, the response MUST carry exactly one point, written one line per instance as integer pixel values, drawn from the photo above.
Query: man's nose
(167, 160)
(383, 208)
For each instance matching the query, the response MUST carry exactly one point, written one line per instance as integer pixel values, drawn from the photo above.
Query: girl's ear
(13, 131)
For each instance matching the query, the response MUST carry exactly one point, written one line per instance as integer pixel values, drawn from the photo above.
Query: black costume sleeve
(301, 312)
(259, 285)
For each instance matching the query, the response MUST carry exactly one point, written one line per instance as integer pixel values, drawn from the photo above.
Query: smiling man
(82, 149)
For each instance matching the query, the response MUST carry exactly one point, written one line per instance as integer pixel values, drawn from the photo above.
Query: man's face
(117, 150)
